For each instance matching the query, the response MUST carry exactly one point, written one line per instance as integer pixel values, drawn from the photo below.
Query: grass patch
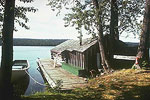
(126, 84)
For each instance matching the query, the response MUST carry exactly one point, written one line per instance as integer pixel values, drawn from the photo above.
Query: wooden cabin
(78, 59)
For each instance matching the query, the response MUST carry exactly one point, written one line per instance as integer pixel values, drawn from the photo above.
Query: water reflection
(20, 85)
(31, 53)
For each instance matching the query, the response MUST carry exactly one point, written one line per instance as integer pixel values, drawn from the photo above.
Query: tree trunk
(7, 50)
(104, 59)
(114, 20)
(143, 49)
(114, 34)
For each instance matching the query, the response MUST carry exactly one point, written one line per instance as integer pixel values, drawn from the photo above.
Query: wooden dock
(54, 74)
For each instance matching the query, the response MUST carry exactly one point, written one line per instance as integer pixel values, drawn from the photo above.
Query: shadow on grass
(78, 94)
(137, 93)
(50, 97)
(122, 64)
(124, 92)
(123, 85)
(129, 91)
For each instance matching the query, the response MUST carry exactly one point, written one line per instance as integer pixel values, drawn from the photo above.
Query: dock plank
(52, 74)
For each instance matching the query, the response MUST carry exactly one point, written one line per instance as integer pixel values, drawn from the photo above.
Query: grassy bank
(126, 84)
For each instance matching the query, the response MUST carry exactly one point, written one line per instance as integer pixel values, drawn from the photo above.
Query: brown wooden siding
(85, 60)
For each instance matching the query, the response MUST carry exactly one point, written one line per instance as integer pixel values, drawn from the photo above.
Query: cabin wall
(74, 58)
(91, 58)
(86, 60)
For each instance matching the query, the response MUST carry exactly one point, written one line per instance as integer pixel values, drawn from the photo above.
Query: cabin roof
(74, 45)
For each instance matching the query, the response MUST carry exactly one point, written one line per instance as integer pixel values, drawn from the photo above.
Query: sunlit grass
(127, 84)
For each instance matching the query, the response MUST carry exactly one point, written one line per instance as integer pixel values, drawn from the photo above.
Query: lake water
(31, 53)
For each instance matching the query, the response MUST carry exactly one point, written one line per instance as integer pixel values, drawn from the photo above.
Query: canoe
(19, 69)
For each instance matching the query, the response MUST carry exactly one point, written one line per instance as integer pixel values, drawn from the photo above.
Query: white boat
(19, 69)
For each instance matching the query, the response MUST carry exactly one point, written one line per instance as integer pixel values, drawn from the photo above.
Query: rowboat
(19, 69)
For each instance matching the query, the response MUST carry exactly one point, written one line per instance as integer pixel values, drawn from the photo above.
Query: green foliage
(20, 14)
(58, 84)
(130, 13)
(57, 88)
(82, 14)
(58, 4)
(26, 1)
(144, 63)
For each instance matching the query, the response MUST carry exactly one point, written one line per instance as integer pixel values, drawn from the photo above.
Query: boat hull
(16, 75)
(19, 69)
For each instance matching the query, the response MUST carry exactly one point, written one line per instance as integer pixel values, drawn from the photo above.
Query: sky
(44, 24)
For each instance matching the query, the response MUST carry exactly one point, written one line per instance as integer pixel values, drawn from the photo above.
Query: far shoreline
(36, 42)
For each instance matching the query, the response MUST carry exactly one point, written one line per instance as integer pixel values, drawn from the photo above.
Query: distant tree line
(36, 42)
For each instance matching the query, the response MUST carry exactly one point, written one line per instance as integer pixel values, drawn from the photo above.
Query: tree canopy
(20, 13)
(81, 14)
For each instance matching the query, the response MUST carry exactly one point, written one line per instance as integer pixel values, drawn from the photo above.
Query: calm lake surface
(31, 53)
